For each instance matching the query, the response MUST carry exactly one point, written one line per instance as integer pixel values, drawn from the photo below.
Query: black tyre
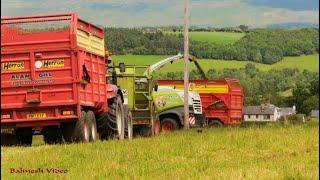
(155, 121)
(214, 124)
(129, 126)
(90, 117)
(8, 139)
(67, 131)
(24, 136)
(145, 131)
(128, 122)
(51, 135)
(82, 130)
(168, 124)
(116, 117)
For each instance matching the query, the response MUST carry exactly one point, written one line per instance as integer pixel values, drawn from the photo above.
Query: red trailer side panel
(221, 99)
(45, 75)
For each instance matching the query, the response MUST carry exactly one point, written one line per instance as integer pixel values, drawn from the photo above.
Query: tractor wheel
(8, 139)
(51, 135)
(90, 117)
(81, 131)
(128, 122)
(145, 131)
(116, 117)
(214, 124)
(168, 124)
(155, 121)
(24, 136)
(129, 125)
(156, 127)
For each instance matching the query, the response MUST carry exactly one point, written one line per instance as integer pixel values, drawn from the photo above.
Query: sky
(135, 13)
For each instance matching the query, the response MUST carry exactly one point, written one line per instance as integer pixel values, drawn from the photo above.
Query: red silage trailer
(222, 100)
(53, 71)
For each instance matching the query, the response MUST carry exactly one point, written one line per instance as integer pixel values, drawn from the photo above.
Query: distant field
(310, 62)
(216, 37)
(272, 151)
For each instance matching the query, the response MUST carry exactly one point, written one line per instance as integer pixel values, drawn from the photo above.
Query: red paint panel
(40, 60)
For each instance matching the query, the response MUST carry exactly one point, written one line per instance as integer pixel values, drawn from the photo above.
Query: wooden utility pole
(186, 64)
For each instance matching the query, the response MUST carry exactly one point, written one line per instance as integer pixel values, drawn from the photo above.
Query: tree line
(260, 86)
(259, 45)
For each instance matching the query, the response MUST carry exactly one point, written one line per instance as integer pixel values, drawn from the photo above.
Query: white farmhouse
(262, 113)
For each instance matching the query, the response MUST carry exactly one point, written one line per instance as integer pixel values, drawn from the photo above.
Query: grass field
(310, 62)
(271, 151)
(216, 37)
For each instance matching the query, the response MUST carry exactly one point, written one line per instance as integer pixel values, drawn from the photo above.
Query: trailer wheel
(168, 124)
(24, 136)
(68, 131)
(51, 135)
(214, 124)
(116, 117)
(90, 117)
(82, 129)
(8, 139)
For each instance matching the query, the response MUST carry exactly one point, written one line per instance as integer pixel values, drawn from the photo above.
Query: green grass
(310, 62)
(215, 37)
(271, 151)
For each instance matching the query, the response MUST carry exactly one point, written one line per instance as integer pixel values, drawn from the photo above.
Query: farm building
(287, 111)
(315, 114)
(262, 113)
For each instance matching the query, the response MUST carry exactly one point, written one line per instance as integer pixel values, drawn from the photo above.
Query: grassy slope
(216, 37)
(310, 62)
(269, 152)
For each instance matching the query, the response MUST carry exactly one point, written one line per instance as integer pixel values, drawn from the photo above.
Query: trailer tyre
(82, 129)
(90, 117)
(168, 124)
(51, 135)
(8, 139)
(24, 136)
(68, 131)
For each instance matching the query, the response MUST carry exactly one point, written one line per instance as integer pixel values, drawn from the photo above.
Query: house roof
(315, 113)
(287, 110)
(268, 110)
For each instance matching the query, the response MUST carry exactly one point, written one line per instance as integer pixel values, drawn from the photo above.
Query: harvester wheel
(90, 117)
(116, 117)
(82, 130)
(214, 124)
(24, 136)
(168, 124)
(51, 135)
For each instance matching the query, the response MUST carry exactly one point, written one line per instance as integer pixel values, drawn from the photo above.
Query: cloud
(296, 5)
(130, 13)
(284, 15)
